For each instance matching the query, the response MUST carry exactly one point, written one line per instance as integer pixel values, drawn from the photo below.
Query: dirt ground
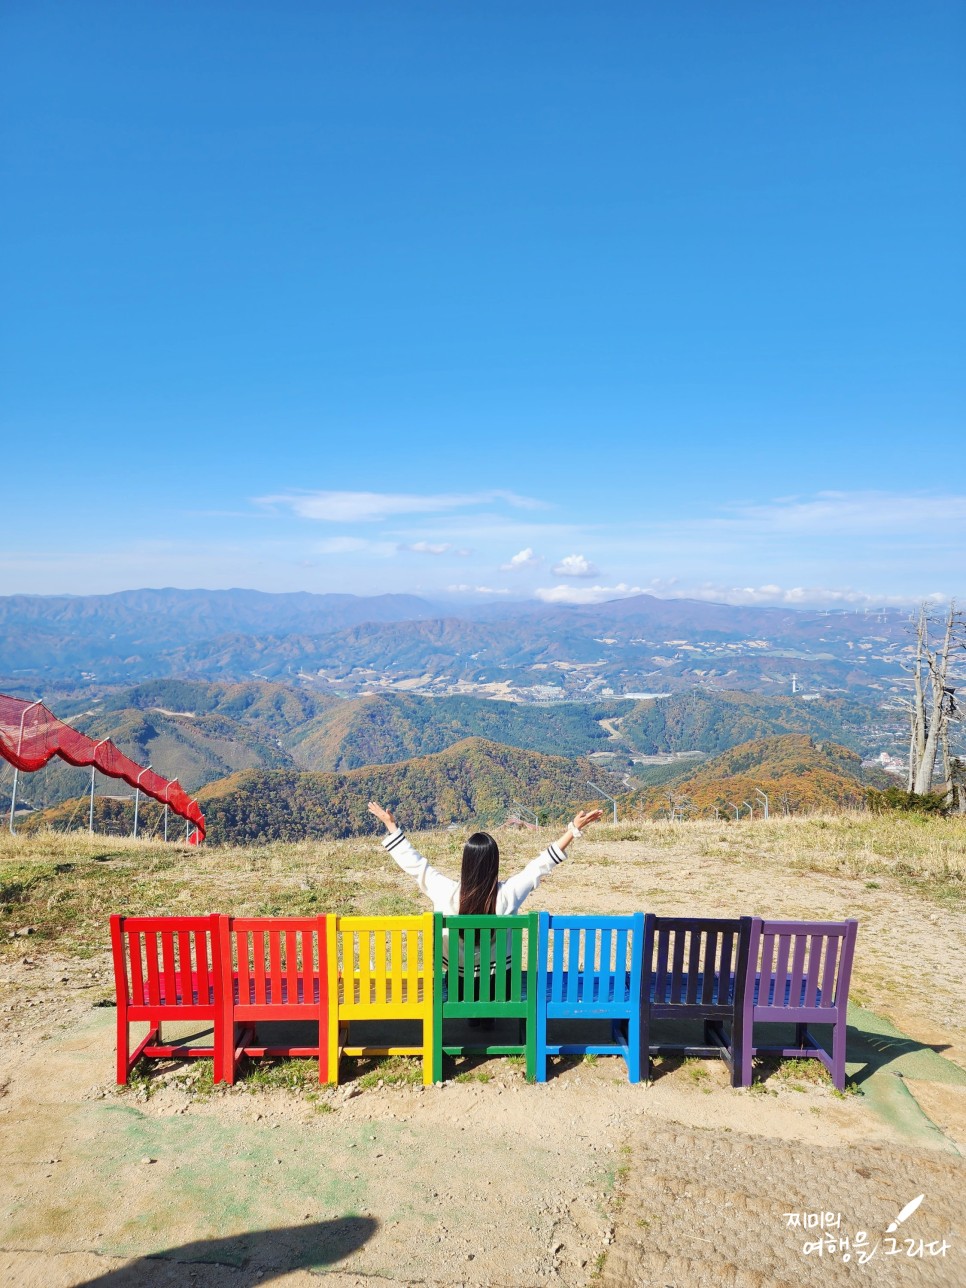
(488, 1180)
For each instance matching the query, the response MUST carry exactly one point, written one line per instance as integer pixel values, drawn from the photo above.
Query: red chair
(279, 968)
(166, 969)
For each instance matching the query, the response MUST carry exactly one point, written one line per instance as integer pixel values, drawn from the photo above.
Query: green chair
(482, 968)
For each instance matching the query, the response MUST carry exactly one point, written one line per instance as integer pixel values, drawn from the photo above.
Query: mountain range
(344, 644)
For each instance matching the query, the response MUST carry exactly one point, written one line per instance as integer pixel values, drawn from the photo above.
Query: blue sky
(484, 301)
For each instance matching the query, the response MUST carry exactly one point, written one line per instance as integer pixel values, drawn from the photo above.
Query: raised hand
(585, 816)
(384, 816)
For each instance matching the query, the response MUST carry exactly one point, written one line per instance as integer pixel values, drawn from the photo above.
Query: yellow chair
(386, 973)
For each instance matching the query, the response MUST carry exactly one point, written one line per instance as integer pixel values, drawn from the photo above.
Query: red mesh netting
(30, 736)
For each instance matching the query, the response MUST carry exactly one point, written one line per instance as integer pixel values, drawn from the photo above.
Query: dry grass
(66, 885)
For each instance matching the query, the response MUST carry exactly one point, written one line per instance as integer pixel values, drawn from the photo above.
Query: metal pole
(137, 798)
(750, 809)
(90, 818)
(167, 795)
(762, 796)
(16, 771)
(735, 808)
(601, 792)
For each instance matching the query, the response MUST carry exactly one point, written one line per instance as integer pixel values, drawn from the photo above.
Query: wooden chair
(486, 969)
(386, 973)
(589, 968)
(695, 969)
(166, 969)
(798, 972)
(278, 968)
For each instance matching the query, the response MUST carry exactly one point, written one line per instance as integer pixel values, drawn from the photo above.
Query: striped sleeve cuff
(556, 854)
(393, 839)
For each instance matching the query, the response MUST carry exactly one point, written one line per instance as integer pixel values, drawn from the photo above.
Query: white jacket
(444, 893)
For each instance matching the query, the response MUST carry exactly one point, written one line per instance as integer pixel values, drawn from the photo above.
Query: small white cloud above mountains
(586, 594)
(575, 566)
(522, 559)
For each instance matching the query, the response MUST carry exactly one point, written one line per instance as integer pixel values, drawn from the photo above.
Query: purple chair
(798, 973)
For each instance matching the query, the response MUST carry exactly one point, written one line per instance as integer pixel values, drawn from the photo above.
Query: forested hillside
(700, 720)
(384, 728)
(795, 772)
(474, 781)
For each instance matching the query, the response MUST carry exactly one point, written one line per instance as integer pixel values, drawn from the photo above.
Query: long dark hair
(478, 878)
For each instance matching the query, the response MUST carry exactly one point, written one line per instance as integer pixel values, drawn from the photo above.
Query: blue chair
(589, 968)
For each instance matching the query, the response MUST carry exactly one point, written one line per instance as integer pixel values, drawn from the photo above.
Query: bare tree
(933, 703)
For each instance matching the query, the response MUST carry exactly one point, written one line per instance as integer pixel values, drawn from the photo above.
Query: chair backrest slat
(829, 991)
(728, 940)
(154, 973)
(811, 970)
(710, 961)
(135, 954)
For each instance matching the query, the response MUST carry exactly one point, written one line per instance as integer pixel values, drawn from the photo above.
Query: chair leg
(800, 1035)
(228, 1054)
(430, 1055)
(632, 1031)
(838, 1055)
(332, 1038)
(123, 1039)
(541, 1045)
(747, 1051)
(645, 1041)
(437, 1040)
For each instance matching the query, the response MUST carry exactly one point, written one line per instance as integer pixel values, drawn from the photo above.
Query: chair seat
(359, 994)
(515, 1002)
(611, 989)
(800, 988)
(197, 997)
(674, 992)
(247, 996)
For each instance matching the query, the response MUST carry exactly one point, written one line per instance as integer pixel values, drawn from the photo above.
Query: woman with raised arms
(479, 891)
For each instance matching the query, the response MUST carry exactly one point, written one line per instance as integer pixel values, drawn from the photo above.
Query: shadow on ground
(268, 1254)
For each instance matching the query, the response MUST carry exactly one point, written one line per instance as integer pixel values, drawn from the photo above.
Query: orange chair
(278, 968)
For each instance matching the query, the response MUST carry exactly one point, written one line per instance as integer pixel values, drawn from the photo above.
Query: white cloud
(522, 559)
(354, 545)
(586, 594)
(575, 566)
(830, 513)
(792, 596)
(475, 590)
(369, 507)
(430, 547)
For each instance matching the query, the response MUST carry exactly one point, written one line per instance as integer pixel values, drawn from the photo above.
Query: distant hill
(474, 781)
(796, 773)
(699, 720)
(384, 728)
